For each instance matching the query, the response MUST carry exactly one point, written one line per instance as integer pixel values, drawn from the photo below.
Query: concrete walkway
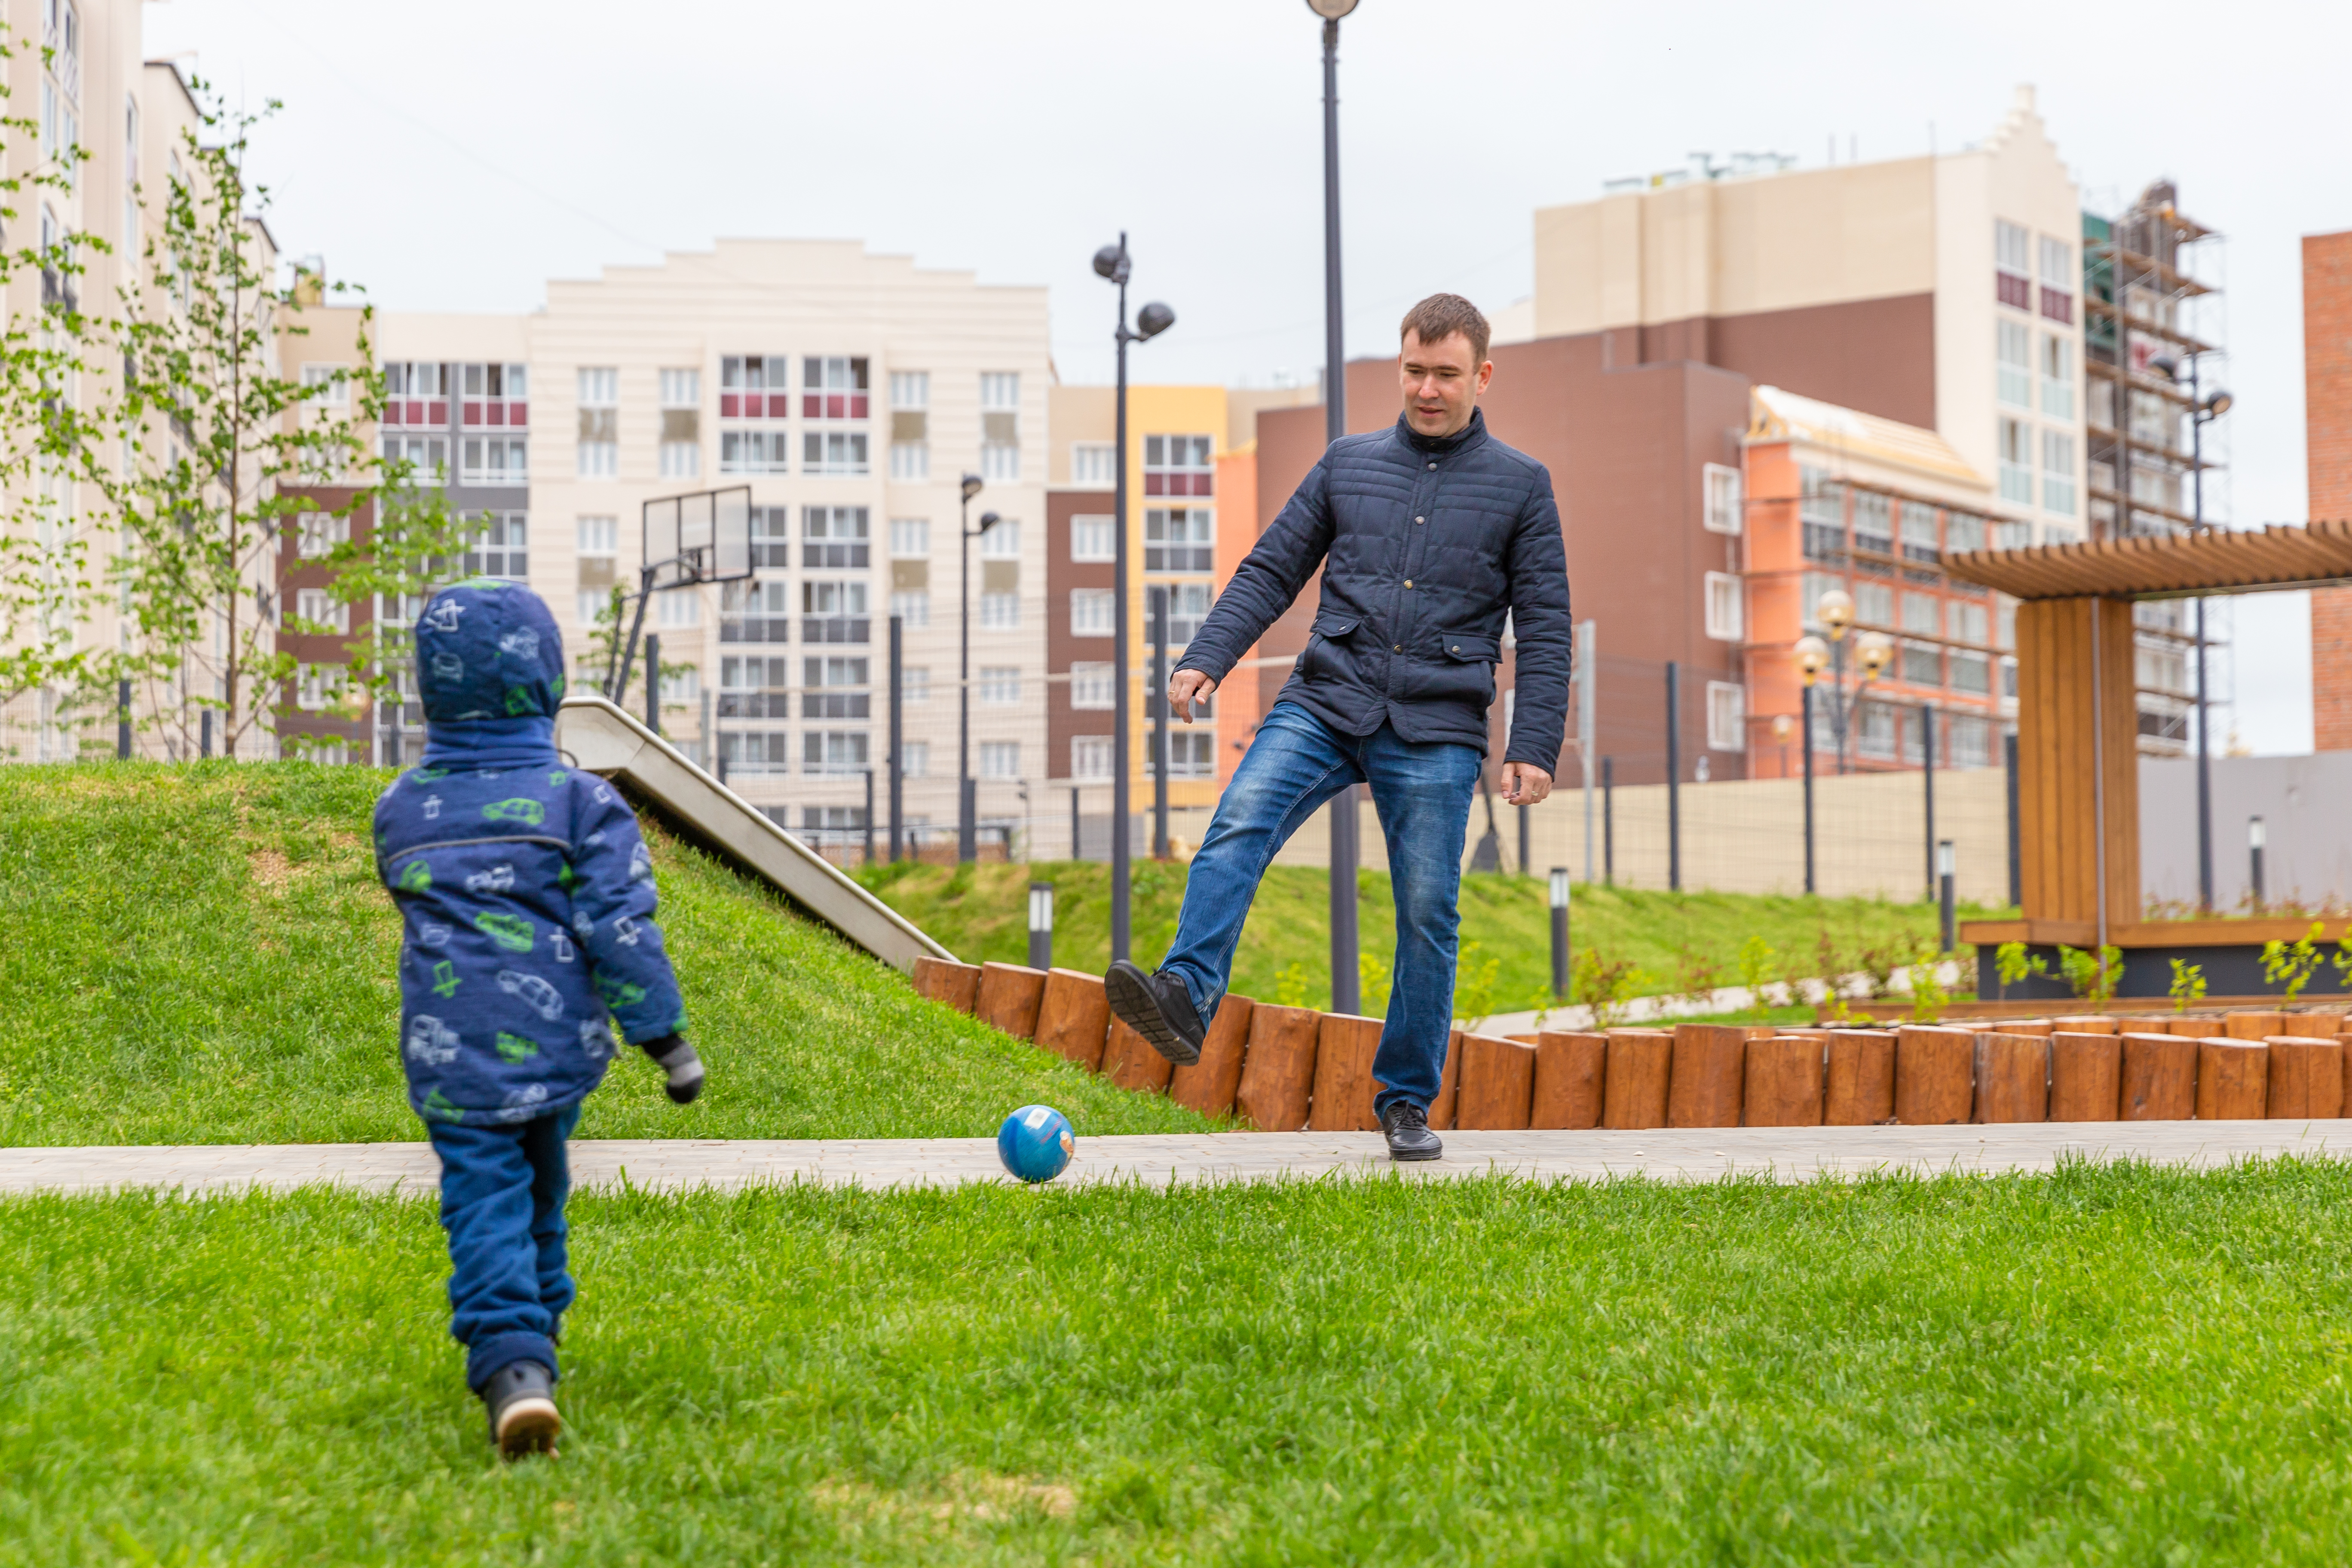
(1784, 1154)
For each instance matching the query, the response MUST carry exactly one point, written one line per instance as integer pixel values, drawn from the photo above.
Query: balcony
(836, 629)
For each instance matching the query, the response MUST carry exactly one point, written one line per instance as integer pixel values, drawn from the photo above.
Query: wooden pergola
(2077, 718)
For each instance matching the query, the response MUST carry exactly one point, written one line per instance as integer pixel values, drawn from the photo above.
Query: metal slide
(607, 740)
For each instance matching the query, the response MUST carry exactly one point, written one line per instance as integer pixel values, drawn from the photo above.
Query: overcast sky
(454, 156)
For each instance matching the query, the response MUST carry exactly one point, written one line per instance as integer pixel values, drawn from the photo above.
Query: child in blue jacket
(526, 901)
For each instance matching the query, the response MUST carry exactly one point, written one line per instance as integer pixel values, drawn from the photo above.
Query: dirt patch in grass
(979, 1497)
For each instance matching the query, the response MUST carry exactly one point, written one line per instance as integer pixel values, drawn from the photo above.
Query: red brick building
(2327, 439)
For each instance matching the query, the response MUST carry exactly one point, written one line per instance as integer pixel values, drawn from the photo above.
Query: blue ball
(1035, 1142)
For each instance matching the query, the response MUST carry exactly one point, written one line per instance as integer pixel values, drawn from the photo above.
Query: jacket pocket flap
(1471, 648)
(1330, 626)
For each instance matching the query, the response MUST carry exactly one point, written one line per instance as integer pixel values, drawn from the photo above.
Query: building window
(1090, 685)
(1722, 606)
(1816, 585)
(499, 548)
(1970, 622)
(2058, 280)
(833, 388)
(492, 395)
(754, 386)
(1963, 531)
(681, 459)
(1971, 672)
(1187, 606)
(910, 424)
(1918, 525)
(597, 546)
(999, 612)
(1877, 736)
(681, 687)
(833, 611)
(1821, 509)
(910, 538)
(999, 426)
(1180, 539)
(772, 537)
(1722, 500)
(1968, 739)
(320, 608)
(2013, 261)
(600, 422)
(2057, 375)
(330, 385)
(2017, 462)
(1923, 613)
(1873, 602)
(1091, 540)
(1726, 716)
(1000, 684)
(912, 606)
(679, 607)
(1923, 664)
(315, 534)
(1091, 610)
(917, 764)
(426, 459)
(755, 687)
(2016, 362)
(1193, 754)
(834, 538)
(755, 613)
(756, 750)
(1000, 759)
(2057, 471)
(834, 750)
(681, 424)
(416, 394)
(833, 452)
(1003, 542)
(836, 689)
(1873, 522)
(1094, 465)
(2008, 535)
(1178, 466)
(1090, 757)
(494, 460)
(752, 452)
(320, 686)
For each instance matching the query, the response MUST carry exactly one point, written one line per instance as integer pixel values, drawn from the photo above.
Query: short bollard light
(2257, 841)
(1559, 933)
(1945, 861)
(1040, 925)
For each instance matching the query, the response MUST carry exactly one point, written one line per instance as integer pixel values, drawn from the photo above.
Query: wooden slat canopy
(2217, 561)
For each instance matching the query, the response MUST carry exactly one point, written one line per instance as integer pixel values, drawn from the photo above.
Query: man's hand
(1525, 785)
(1187, 687)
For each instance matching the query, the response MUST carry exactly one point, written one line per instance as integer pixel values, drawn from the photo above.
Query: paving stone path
(1785, 1154)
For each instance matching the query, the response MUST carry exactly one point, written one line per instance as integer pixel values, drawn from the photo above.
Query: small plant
(2293, 963)
(1697, 975)
(2011, 964)
(2187, 985)
(1605, 985)
(1473, 985)
(2342, 962)
(1372, 979)
(1756, 957)
(2094, 980)
(1878, 965)
(1929, 996)
(1290, 986)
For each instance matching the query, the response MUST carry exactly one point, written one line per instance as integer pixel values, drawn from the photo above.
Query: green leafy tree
(1756, 967)
(414, 544)
(51, 441)
(2011, 964)
(2094, 979)
(2187, 985)
(1604, 985)
(219, 441)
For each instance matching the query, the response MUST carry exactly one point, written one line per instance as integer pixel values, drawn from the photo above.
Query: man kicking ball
(1430, 535)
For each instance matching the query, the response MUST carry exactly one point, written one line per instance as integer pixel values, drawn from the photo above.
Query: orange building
(1841, 499)
(2327, 445)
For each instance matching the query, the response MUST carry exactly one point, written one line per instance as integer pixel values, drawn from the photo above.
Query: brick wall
(2328, 418)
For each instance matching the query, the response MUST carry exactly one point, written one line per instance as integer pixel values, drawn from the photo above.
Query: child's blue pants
(502, 1192)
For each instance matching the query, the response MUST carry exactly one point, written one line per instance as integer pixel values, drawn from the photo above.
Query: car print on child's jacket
(526, 891)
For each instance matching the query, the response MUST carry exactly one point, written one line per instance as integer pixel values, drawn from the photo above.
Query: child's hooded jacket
(526, 892)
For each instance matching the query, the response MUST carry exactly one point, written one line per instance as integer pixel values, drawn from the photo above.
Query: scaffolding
(2152, 343)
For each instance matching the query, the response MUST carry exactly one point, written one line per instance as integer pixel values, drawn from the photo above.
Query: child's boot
(522, 1400)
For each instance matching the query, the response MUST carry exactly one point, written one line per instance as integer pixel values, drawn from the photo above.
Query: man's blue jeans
(502, 1192)
(1423, 795)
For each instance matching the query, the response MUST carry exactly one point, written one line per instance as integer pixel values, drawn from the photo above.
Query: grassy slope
(203, 955)
(981, 913)
(2109, 1366)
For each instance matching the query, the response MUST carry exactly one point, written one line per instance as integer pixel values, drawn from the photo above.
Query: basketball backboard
(705, 537)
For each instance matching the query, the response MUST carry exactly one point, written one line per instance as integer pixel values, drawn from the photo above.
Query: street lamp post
(1346, 996)
(1112, 262)
(967, 828)
(1872, 650)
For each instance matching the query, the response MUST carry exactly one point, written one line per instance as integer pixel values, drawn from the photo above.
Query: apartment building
(849, 392)
(77, 71)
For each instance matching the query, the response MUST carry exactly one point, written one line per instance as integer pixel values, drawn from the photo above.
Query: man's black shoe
(1407, 1126)
(1158, 1007)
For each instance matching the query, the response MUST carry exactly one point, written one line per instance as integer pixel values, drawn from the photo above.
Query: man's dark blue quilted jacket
(526, 893)
(1424, 545)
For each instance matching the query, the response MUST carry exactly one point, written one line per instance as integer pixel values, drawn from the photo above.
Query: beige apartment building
(77, 70)
(849, 392)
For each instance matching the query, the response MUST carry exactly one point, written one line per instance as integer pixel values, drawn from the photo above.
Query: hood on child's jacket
(489, 668)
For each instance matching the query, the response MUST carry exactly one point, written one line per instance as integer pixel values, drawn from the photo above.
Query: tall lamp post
(1346, 995)
(1113, 263)
(2202, 410)
(967, 791)
(1871, 651)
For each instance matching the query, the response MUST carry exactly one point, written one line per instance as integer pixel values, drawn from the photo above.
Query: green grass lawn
(2114, 1365)
(1681, 941)
(203, 954)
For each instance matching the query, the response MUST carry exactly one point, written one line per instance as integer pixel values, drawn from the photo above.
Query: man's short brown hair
(1440, 316)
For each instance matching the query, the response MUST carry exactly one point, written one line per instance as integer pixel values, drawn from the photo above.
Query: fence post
(1928, 773)
(1526, 853)
(897, 738)
(1673, 778)
(869, 817)
(2257, 838)
(1075, 853)
(204, 746)
(653, 683)
(1808, 724)
(122, 720)
(2016, 862)
(1609, 820)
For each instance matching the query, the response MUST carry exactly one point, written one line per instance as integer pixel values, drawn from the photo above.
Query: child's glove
(677, 1058)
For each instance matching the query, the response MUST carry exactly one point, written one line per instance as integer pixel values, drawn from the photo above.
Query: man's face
(1441, 382)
